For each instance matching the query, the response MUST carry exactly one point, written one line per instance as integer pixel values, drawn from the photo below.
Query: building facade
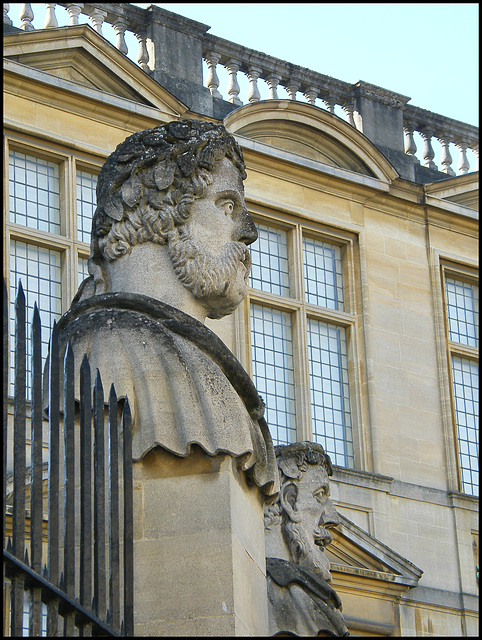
(360, 329)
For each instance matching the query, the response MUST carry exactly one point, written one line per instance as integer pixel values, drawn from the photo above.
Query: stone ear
(288, 497)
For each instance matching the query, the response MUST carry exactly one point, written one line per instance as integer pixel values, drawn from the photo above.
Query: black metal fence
(94, 589)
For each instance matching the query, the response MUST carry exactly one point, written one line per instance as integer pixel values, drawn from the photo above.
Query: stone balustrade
(123, 17)
(328, 93)
(265, 78)
(448, 132)
(298, 82)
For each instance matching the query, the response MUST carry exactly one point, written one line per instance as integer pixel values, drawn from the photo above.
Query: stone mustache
(169, 247)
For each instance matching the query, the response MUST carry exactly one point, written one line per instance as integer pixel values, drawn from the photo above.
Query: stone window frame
(297, 228)
(66, 242)
(468, 274)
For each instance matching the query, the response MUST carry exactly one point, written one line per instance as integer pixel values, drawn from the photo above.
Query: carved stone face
(315, 513)
(211, 256)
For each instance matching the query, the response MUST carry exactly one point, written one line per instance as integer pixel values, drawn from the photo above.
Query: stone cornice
(74, 95)
(402, 489)
(441, 126)
(177, 22)
(385, 96)
(84, 36)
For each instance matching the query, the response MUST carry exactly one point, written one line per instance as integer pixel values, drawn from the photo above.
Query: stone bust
(169, 248)
(301, 599)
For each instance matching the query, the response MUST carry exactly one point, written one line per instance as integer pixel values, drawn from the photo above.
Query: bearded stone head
(178, 186)
(303, 509)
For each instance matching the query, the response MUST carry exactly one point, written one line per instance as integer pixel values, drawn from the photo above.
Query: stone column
(379, 115)
(174, 46)
(199, 550)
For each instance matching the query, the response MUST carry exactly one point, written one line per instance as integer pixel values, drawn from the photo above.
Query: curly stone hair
(147, 185)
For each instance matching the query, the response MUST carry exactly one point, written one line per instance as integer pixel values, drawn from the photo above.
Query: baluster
(233, 89)
(330, 102)
(253, 92)
(6, 9)
(475, 151)
(36, 501)
(74, 11)
(50, 19)
(428, 152)
(348, 107)
(311, 93)
(292, 87)
(463, 165)
(273, 81)
(142, 54)
(26, 16)
(97, 16)
(212, 58)
(445, 157)
(120, 25)
(410, 146)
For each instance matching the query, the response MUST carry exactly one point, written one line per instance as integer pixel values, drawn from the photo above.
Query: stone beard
(300, 544)
(169, 247)
(210, 277)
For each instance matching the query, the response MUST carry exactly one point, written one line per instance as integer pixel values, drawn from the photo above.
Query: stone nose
(329, 516)
(246, 230)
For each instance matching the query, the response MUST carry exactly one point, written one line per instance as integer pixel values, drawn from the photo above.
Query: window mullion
(69, 257)
(300, 334)
(6, 207)
(302, 376)
(454, 419)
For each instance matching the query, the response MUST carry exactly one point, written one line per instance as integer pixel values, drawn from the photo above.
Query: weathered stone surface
(197, 567)
(301, 600)
(169, 248)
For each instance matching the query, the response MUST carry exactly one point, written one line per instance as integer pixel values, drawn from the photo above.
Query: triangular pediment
(79, 54)
(354, 550)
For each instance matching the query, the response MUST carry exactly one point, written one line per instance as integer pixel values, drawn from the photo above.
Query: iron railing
(94, 589)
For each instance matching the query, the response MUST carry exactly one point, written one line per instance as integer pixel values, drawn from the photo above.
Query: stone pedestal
(199, 551)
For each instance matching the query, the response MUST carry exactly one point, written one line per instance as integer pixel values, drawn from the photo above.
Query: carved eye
(227, 206)
(320, 494)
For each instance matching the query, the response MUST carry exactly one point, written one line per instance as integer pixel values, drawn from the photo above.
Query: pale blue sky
(428, 51)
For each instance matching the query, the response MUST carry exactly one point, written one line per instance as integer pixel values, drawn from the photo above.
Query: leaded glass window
(34, 192)
(462, 306)
(463, 311)
(269, 255)
(273, 369)
(83, 270)
(39, 269)
(330, 398)
(86, 203)
(465, 375)
(299, 352)
(323, 274)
